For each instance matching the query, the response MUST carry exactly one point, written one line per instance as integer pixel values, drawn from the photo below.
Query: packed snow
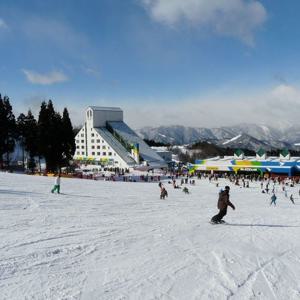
(118, 240)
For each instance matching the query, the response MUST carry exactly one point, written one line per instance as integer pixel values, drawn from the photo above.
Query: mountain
(250, 136)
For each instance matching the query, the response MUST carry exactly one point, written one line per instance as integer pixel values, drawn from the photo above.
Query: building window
(93, 134)
(77, 147)
(103, 147)
(114, 154)
(93, 147)
(104, 153)
(98, 141)
(77, 141)
(82, 147)
(82, 141)
(82, 153)
(102, 141)
(93, 153)
(92, 141)
(78, 153)
(82, 135)
(98, 147)
(109, 154)
(89, 114)
(98, 153)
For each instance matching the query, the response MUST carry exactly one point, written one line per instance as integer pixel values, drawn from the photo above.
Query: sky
(201, 63)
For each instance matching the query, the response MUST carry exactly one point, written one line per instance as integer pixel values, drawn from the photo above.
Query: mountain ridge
(244, 135)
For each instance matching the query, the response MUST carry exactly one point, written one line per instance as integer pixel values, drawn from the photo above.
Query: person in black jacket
(223, 203)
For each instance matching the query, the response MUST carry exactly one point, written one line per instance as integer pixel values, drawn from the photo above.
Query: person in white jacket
(56, 185)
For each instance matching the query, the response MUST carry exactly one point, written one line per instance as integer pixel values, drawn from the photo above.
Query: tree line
(50, 137)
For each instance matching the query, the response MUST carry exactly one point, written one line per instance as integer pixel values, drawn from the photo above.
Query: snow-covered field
(115, 240)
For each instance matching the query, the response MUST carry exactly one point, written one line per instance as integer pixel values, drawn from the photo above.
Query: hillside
(116, 240)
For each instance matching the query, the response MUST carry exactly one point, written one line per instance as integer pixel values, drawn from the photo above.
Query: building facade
(107, 141)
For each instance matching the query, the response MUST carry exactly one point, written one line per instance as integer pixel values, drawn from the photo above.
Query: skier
(223, 203)
(273, 200)
(292, 199)
(56, 185)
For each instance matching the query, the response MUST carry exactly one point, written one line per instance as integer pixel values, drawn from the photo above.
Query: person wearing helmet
(223, 203)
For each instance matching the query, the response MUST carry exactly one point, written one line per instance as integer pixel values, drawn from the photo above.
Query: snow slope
(115, 240)
(233, 139)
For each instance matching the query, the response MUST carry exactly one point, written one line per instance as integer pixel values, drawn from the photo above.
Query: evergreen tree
(46, 134)
(31, 139)
(21, 134)
(7, 130)
(68, 138)
(56, 137)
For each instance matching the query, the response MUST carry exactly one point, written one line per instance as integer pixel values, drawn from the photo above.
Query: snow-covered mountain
(251, 136)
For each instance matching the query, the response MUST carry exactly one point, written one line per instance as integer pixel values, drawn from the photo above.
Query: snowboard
(219, 223)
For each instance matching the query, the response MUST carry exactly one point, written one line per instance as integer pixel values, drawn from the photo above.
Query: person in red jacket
(223, 203)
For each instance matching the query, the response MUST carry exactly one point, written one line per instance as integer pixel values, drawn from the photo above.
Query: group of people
(223, 199)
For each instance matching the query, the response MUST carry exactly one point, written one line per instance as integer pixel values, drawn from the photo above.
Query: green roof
(261, 152)
(285, 152)
(238, 152)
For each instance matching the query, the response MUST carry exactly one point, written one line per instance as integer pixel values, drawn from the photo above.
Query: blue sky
(191, 62)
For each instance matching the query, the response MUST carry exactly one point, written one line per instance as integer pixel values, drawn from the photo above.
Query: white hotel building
(106, 140)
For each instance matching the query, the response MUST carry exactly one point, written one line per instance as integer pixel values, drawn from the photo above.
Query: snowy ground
(115, 240)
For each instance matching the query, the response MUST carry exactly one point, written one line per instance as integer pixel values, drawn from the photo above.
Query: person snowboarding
(223, 203)
(273, 200)
(186, 190)
(163, 193)
(56, 185)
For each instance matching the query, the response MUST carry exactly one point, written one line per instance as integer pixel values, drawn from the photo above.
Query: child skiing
(56, 185)
(223, 203)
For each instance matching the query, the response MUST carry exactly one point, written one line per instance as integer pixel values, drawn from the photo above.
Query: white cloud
(3, 24)
(278, 107)
(45, 79)
(92, 71)
(235, 18)
(55, 32)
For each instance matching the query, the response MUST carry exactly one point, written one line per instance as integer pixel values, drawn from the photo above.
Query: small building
(290, 166)
(106, 140)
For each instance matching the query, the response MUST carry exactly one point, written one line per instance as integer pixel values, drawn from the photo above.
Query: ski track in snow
(115, 240)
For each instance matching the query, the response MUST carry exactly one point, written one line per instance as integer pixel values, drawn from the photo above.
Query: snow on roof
(101, 108)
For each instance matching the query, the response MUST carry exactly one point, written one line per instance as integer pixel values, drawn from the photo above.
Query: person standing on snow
(223, 203)
(273, 200)
(292, 199)
(56, 185)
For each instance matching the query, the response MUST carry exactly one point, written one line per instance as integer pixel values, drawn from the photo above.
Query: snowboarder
(273, 200)
(223, 203)
(56, 185)
(186, 190)
(163, 193)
